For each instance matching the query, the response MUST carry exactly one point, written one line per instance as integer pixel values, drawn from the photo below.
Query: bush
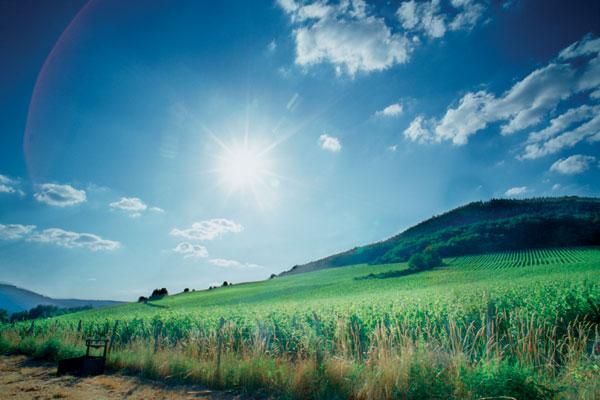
(3, 316)
(428, 259)
(142, 299)
(158, 294)
(49, 350)
(503, 379)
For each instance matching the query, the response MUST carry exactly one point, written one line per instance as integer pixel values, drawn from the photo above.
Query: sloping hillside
(480, 227)
(14, 299)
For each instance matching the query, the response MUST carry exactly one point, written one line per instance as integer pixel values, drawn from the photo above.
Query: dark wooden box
(81, 366)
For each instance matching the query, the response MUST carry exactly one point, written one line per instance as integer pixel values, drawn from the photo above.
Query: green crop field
(521, 324)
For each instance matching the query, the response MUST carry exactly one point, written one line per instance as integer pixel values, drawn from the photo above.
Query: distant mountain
(14, 299)
(480, 227)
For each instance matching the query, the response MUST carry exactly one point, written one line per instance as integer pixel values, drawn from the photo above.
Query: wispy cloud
(133, 206)
(15, 231)
(516, 191)
(330, 143)
(427, 17)
(526, 104)
(189, 250)
(393, 110)
(57, 236)
(572, 165)
(208, 230)
(59, 195)
(69, 239)
(9, 185)
(223, 263)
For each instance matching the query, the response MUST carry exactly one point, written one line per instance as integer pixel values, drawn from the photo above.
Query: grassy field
(521, 324)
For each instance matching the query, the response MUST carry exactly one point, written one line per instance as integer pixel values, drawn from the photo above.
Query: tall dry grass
(512, 354)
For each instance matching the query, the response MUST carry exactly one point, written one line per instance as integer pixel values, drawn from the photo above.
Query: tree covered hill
(480, 227)
(15, 299)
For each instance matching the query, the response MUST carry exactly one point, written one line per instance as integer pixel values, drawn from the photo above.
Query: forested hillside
(480, 227)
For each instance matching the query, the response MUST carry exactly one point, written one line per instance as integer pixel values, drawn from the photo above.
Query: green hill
(475, 328)
(15, 299)
(483, 227)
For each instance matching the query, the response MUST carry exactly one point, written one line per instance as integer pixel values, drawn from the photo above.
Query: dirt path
(21, 378)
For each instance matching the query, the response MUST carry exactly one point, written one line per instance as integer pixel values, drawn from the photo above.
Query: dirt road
(21, 378)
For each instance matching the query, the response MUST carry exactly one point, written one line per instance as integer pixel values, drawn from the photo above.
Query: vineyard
(521, 324)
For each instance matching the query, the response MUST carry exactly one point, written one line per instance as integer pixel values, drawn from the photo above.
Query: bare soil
(21, 378)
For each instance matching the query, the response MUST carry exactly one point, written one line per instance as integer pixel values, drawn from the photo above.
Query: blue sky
(147, 144)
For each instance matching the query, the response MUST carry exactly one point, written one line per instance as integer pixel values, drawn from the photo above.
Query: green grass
(530, 315)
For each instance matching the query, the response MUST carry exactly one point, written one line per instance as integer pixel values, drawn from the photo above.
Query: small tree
(225, 284)
(186, 290)
(158, 294)
(3, 316)
(428, 259)
(142, 299)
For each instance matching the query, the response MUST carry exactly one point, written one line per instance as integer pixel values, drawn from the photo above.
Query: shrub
(3, 316)
(49, 350)
(158, 294)
(428, 259)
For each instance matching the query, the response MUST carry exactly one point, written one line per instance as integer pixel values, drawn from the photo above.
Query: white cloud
(8, 185)
(272, 46)
(427, 16)
(516, 191)
(572, 165)
(59, 195)
(466, 119)
(393, 147)
(556, 186)
(393, 110)
(15, 231)
(583, 47)
(422, 16)
(469, 14)
(189, 250)
(526, 104)
(562, 122)
(223, 263)
(419, 131)
(589, 131)
(329, 143)
(528, 101)
(133, 206)
(208, 230)
(68, 239)
(346, 36)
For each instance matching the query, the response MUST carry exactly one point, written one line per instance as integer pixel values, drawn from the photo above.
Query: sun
(243, 167)
(246, 167)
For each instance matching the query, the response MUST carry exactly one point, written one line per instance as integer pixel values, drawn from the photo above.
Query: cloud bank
(349, 36)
